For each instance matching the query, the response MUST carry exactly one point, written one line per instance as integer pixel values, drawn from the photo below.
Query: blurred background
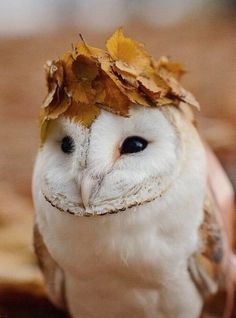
(200, 34)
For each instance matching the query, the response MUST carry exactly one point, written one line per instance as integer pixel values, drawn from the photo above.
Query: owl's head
(114, 132)
(118, 162)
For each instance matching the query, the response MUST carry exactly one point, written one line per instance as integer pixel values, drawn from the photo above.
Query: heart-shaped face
(116, 164)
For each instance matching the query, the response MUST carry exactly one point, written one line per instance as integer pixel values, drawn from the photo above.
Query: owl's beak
(87, 185)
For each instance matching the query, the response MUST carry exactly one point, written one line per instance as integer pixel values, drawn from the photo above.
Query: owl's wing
(53, 274)
(209, 265)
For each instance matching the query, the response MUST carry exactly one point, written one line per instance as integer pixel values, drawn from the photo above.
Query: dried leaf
(176, 69)
(125, 74)
(177, 90)
(84, 68)
(123, 68)
(89, 51)
(43, 130)
(54, 73)
(53, 111)
(88, 79)
(51, 96)
(110, 97)
(148, 86)
(127, 87)
(78, 87)
(137, 97)
(82, 113)
(163, 101)
(127, 50)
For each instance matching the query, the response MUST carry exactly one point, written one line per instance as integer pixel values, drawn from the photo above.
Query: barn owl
(125, 222)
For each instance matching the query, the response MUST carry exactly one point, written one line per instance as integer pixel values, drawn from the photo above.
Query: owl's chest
(125, 268)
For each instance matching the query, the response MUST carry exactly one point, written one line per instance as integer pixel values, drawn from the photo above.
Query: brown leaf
(51, 96)
(125, 73)
(137, 97)
(124, 68)
(84, 68)
(80, 89)
(54, 73)
(127, 86)
(148, 86)
(110, 97)
(55, 109)
(83, 113)
(177, 90)
(176, 69)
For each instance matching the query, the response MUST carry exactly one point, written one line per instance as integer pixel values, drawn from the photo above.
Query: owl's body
(136, 254)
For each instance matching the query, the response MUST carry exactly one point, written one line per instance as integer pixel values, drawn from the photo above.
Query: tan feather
(208, 267)
(53, 274)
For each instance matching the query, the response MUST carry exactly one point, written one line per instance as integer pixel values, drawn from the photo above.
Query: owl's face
(116, 164)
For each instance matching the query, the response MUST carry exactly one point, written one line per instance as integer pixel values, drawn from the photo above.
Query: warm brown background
(207, 46)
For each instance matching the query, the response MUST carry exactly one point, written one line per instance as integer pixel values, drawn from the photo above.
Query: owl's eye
(67, 144)
(133, 144)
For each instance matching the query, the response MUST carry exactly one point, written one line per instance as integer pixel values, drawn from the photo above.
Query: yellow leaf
(89, 51)
(127, 50)
(163, 101)
(137, 97)
(43, 130)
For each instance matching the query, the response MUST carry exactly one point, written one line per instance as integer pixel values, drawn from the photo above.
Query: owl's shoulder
(54, 276)
(209, 265)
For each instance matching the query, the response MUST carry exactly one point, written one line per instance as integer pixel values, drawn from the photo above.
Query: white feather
(133, 263)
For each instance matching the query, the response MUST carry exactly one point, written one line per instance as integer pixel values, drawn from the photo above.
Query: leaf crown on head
(87, 79)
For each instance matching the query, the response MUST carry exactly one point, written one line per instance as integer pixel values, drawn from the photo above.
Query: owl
(126, 225)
